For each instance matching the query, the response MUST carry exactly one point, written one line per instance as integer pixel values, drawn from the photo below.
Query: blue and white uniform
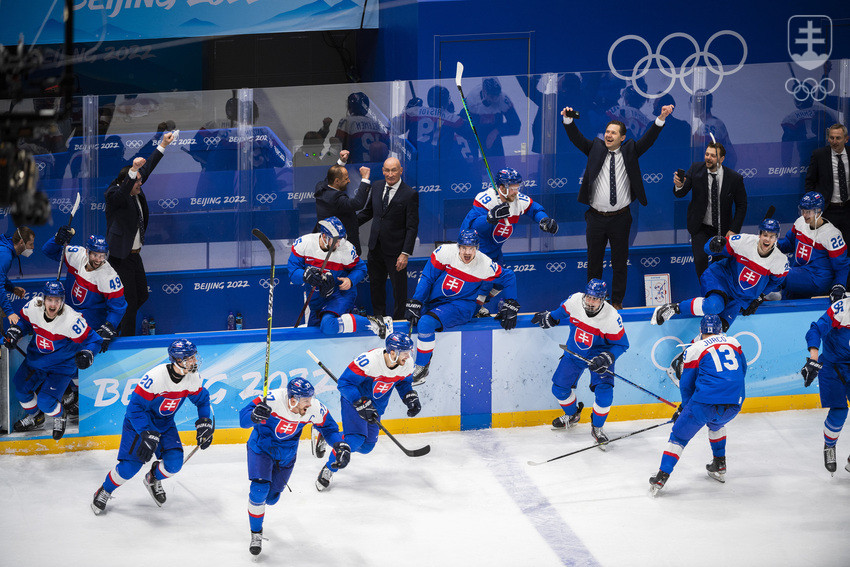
(369, 376)
(712, 387)
(449, 290)
(330, 313)
(833, 330)
(273, 448)
(493, 236)
(819, 262)
(97, 294)
(49, 365)
(589, 337)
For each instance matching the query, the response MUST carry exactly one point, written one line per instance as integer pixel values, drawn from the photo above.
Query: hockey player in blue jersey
(336, 284)
(277, 422)
(92, 285)
(832, 369)
(820, 264)
(149, 428)
(750, 268)
(364, 390)
(62, 342)
(451, 289)
(712, 388)
(596, 331)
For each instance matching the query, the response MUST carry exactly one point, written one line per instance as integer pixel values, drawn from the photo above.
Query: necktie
(715, 203)
(613, 199)
(386, 197)
(842, 180)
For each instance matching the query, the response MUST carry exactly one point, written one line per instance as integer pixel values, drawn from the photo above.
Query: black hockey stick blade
(265, 240)
(770, 210)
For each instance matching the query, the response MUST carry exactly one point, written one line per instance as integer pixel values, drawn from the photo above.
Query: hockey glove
(313, 276)
(677, 413)
(261, 412)
(549, 225)
(413, 311)
(342, 452)
(63, 235)
(411, 400)
(204, 428)
(366, 409)
(717, 244)
(836, 293)
(107, 333)
(83, 359)
(507, 314)
(499, 212)
(810, 371)
(13, 335)
(751, 308)
(147, 445)
(328, 284)
(601, 362)
(545, 320)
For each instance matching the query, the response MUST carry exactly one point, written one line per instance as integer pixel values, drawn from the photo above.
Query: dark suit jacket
(396, 228)
(122, 214)
(333, 203)
(819, 175)
(596, 153)
(732, 192)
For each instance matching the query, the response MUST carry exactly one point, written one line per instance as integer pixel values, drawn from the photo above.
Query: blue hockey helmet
(439, 97)
(711, 325)
(358, 104)
(299, 388)
(769, 225)
(332, 227)
(812, 200)
(54, 288)
(399, 342)
(180, 350)
(468, 237)
(508, 176)
(491, 86)
(595, 288)
(97, 243)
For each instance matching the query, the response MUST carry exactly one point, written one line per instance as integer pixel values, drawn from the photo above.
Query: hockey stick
(70, 220)
(534, 464)
(769, 214)
(195, 450)
(313, 289)
(458, 76)
(626, 380)
(414, 453)
(268, 244)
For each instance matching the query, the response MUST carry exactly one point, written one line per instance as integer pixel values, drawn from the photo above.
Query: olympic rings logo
(65, 208)
(461, 187)
(809, 88)
(134, 144)
(668, 68)
(653, 177)
(748, 173)
(650, 262)
(556, 266)
(172, 288)
(679, 342)
(266, 198)
(41, 165)
(264, 283)
(212, 141)
(557, 182)
(168, 203)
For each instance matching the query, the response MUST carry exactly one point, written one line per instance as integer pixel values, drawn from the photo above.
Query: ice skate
(154, 486)
(657, 482)
(717, 469)
(59, 423)
(568, 421)
(419, 374)
(664, 312)
(256, 543)
(98, 504)
(29, 422)
(71, 402)
(381, 326)
(318, 443)
(829, 458)
(324, 480)
(600, 437)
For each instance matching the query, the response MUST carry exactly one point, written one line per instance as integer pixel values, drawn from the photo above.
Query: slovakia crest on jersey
(803, 253)
(748, 278)
(452, 285)
(44, 344)
(502, 231)
(78, 293)
(169, 406)
(285, 428)
(380, 388)
(583, 339)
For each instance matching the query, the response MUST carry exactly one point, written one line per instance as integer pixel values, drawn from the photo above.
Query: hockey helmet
(812, 200)
(508, 176)
(180, 350)
(769, 225)
(491, 86)
(358, 104)
(595, 288)
(299, 388)
(54, 288)
(438, 97)
(711, 325)
(468, 237)
(332, 228)
(97, 243)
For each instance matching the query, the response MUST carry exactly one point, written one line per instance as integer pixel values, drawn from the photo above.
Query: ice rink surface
(473, 500)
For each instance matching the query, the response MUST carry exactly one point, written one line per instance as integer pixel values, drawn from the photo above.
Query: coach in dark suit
(717, 189)
(332, 199)
(611, 181)
(126, 221)
(829, 175)
(394, 212)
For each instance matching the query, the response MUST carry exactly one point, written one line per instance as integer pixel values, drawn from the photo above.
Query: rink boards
(481, 376)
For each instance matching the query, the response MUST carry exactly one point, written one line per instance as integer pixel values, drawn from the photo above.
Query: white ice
(472, 501)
